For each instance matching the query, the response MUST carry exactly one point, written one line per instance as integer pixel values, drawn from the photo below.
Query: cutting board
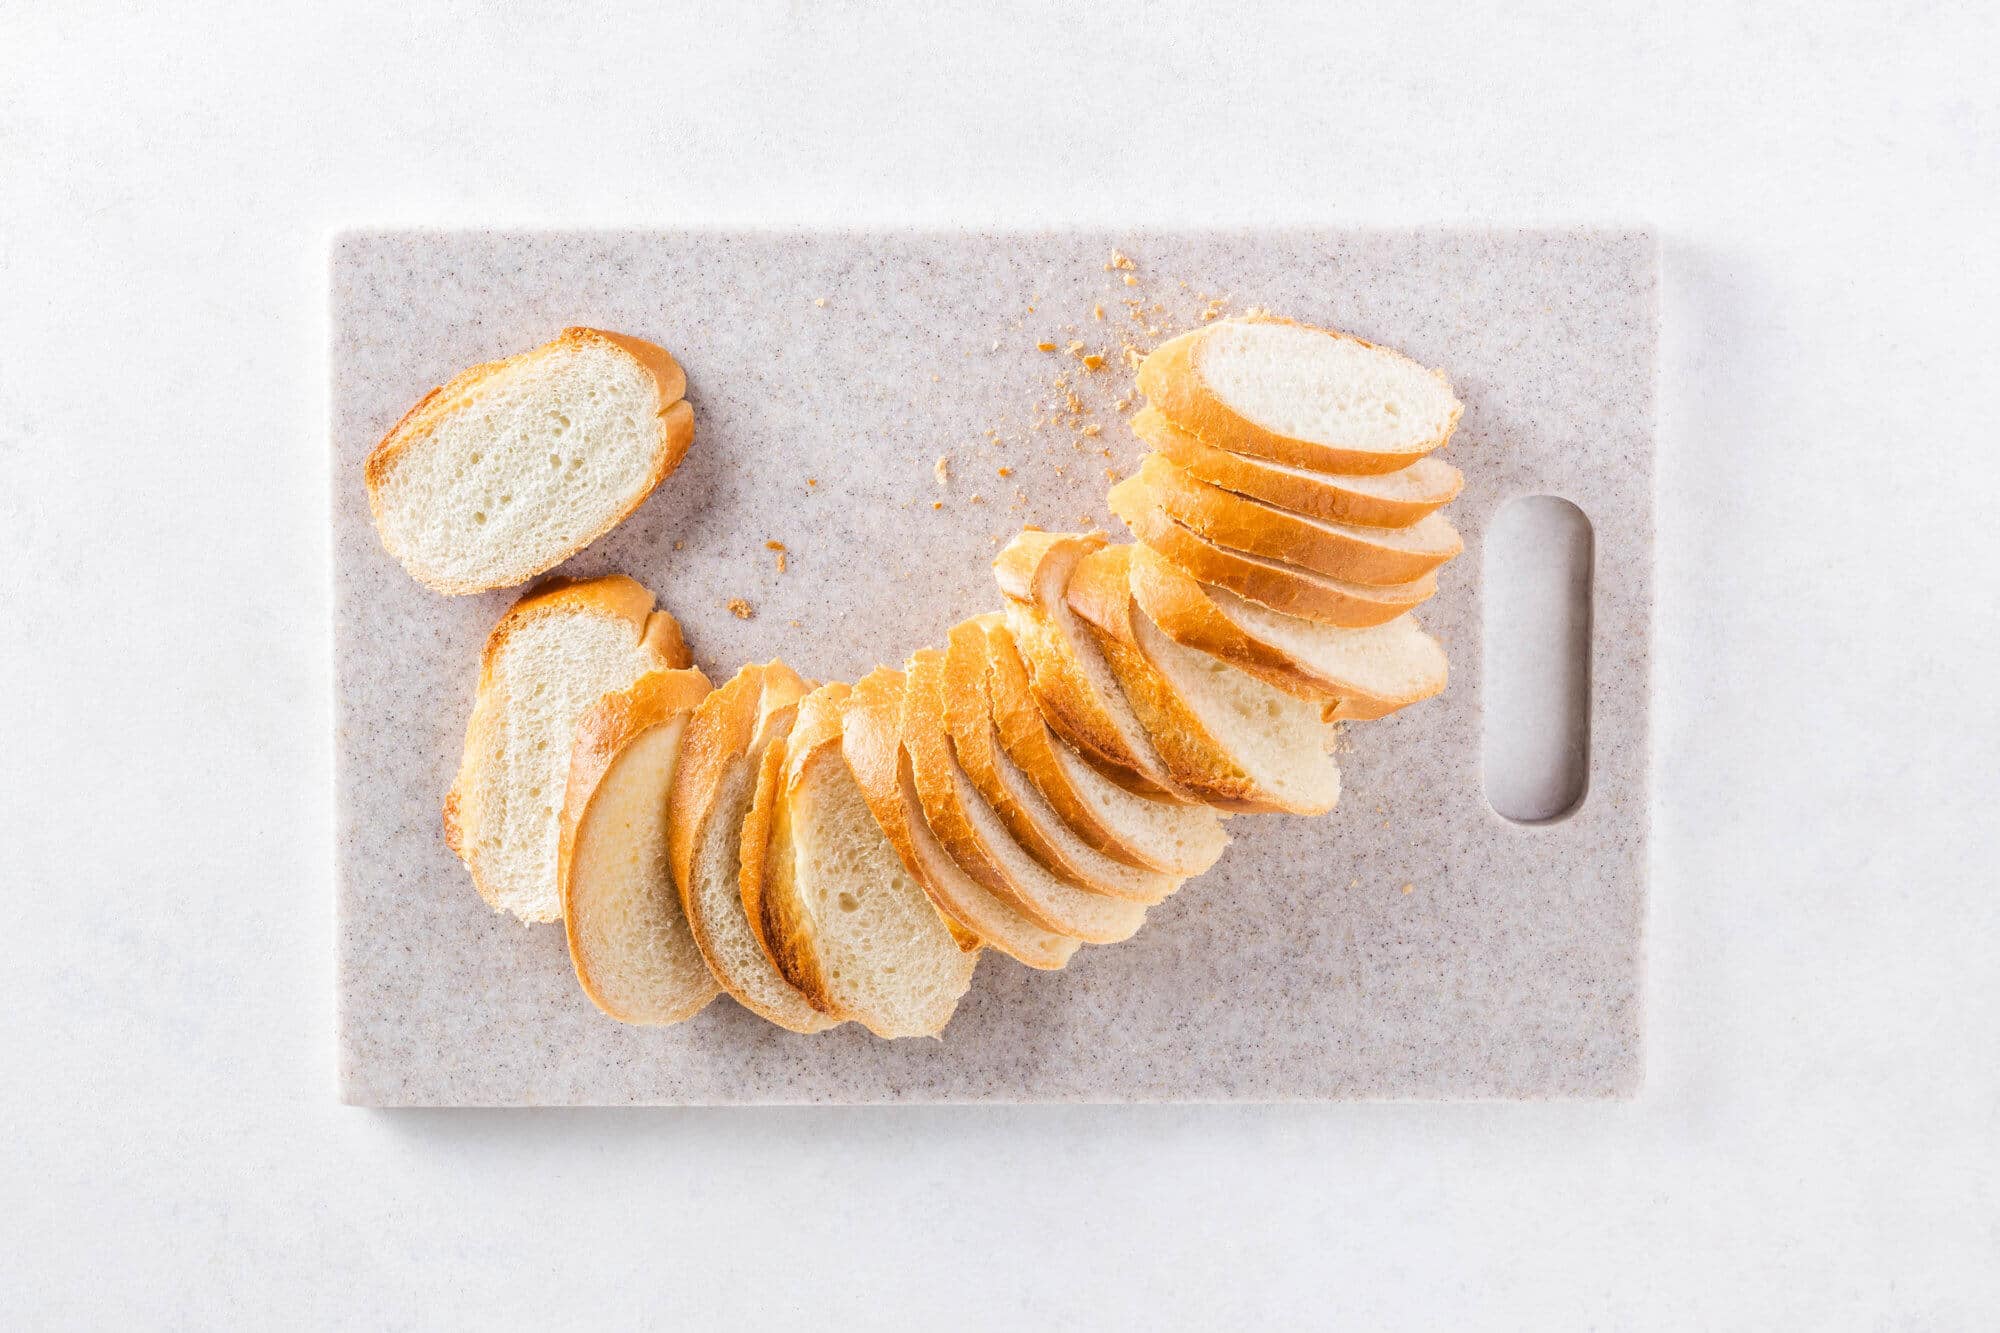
(1413, 944)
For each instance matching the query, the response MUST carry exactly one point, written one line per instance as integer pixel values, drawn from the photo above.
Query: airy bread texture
(1374, 556)
(554, 654)
(721, 752)
(1387, 500)
(871, 740)
(977, 838)
(1165, 836)
(1308, 397)
(628, 938)
(517, 465)
(1240, 743)
(1282, 587)
(1020, 804)
(1357, 673)
(1072, 684)
(842, 918)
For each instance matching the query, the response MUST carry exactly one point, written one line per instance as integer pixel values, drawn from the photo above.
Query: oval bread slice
(1020, 805)
(1167, 836)
(516, 465)
(555, 653)
(1298, 395)
(1348, 551)
(976, 837)
(1356, 673)
(871, 740)
(1225, 734)
(628, 939)
(1386, 500)
(713, 786)
(842, 918)
(1286, 588)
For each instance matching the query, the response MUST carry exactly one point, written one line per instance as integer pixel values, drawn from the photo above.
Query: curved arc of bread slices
(871, 741)
(629, 942)
(714, 787)
(438, 550)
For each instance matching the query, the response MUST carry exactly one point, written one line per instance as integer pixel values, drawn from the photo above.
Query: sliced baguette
(976, 837)
(554, 654)
(843, 919)
(1237, 741)
(516, 465)
(871, 740)
(716, 780)
(1167, 836)
(1386, 500)
(1348, 551)
(628, 938)
(1301, 396)
(1074, 687)
(1021, 806)
(1286, 588)
(1357, 673)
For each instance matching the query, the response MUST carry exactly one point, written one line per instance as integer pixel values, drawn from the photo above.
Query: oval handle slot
(1535, 740)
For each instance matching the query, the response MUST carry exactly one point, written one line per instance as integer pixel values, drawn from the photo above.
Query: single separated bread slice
(1019, 803)
(516, 465)
(977, 839)
(842, 918)
(1225, 734)
(1166, 836)
(871, 740)
(628, 938)
(1075, 689)
(1348, 551)
(1307, 397)
(1355, 673)
(1286, 588)
(558, 651)
(721, 753)
(1385, 500)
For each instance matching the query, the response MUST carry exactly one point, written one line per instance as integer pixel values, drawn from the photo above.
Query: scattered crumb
(1045, 347)
(680, 546)
(781, 562)
(1097, 311)
(774, 546)
(1093, 429)
(1353, 883)
(1005, 471)
(1119, 260)
(1076, 347)
(819, 301)
(1093, 361)
(937, 504)
(795, 624)
(976, 498)
(740, 608)
(1131, 281)
(812, 481)
(937, 379)
(1123, 403)
(1409, 888)
(942, 469)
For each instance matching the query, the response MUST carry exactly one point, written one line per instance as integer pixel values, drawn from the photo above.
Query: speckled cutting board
(1413, 944)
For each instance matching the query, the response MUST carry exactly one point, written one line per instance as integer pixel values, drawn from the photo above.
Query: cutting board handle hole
(1535, 741)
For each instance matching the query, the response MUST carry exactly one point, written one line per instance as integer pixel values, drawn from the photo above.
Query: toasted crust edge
(676, 416)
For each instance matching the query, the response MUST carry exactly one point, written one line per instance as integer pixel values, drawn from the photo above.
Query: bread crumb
(1097, 311)
(976, 498)
(942, 469)
(680, 546)
(1045, 347)
(781, 562)
(740, 608)
(1005, 471)
(937, 504)
(1119, 260)
(812, 481)
(1076, 347)
(774, 546)
(795, 624)
(819, 301)
(937, 379)
(1409, 888)
(1353, 883)
(1093, 429)
(1123, 403)
(1131, 281)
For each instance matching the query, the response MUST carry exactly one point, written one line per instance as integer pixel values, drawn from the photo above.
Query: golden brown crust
(787, 918)
(1296, 592)
(1100, 593)
(871, 741)
(1323, 495)
(1170, 377)
(756, 834)
(676, 434)
(1356, 554)
(605, 731)
(613, 595)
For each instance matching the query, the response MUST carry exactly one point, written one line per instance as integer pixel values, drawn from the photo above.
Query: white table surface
(1818, 1139)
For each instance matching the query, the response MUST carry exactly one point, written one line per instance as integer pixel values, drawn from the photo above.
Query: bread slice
(1021, 806)
(1237, 741)
(871, 740)
(976, 837)
(1167, 836)
(1348, 551)
(516, 465)
(721, 752)
(843, 919)
(628, 938)
(1357, 673)
(1386, 500)
(1282, 587)
(1076, 691)
(557, 652)
(1298, 395)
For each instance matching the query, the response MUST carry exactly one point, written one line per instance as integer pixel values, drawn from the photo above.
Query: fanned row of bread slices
(832, 852)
